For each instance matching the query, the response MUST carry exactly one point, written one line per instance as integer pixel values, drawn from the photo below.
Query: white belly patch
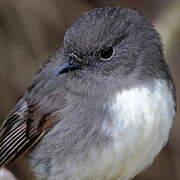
(142, 122)
(142, 119)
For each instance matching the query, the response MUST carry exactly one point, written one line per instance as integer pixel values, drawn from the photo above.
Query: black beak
(69, 66)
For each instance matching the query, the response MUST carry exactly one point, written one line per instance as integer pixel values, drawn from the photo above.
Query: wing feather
(31, 117)
(14, 139)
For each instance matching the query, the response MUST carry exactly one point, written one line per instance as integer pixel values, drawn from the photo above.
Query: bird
(101, 107)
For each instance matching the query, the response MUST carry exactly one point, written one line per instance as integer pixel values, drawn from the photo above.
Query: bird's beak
(69, 66)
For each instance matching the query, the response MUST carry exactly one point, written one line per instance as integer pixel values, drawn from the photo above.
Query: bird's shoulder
(34, 112)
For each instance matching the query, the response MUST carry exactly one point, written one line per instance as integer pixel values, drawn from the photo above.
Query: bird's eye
(105, 54)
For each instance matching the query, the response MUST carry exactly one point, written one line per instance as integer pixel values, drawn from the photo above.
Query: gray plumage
(65, 115)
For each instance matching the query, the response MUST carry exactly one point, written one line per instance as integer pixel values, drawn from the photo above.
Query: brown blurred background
(31, 30)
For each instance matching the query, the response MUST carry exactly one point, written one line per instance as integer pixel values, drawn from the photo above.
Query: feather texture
(16, 134)
(33, 115)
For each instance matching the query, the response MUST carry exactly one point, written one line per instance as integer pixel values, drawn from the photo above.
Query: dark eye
(106, 53)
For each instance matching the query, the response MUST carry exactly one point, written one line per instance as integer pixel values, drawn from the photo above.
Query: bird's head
(113, 45)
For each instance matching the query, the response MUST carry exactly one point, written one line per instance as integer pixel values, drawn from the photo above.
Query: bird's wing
(21, 130)
(32, 116)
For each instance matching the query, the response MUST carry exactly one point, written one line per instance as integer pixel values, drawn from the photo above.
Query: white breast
(142, 122)
(142, 119)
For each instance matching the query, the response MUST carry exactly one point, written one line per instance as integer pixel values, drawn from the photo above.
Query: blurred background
(31, 30)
